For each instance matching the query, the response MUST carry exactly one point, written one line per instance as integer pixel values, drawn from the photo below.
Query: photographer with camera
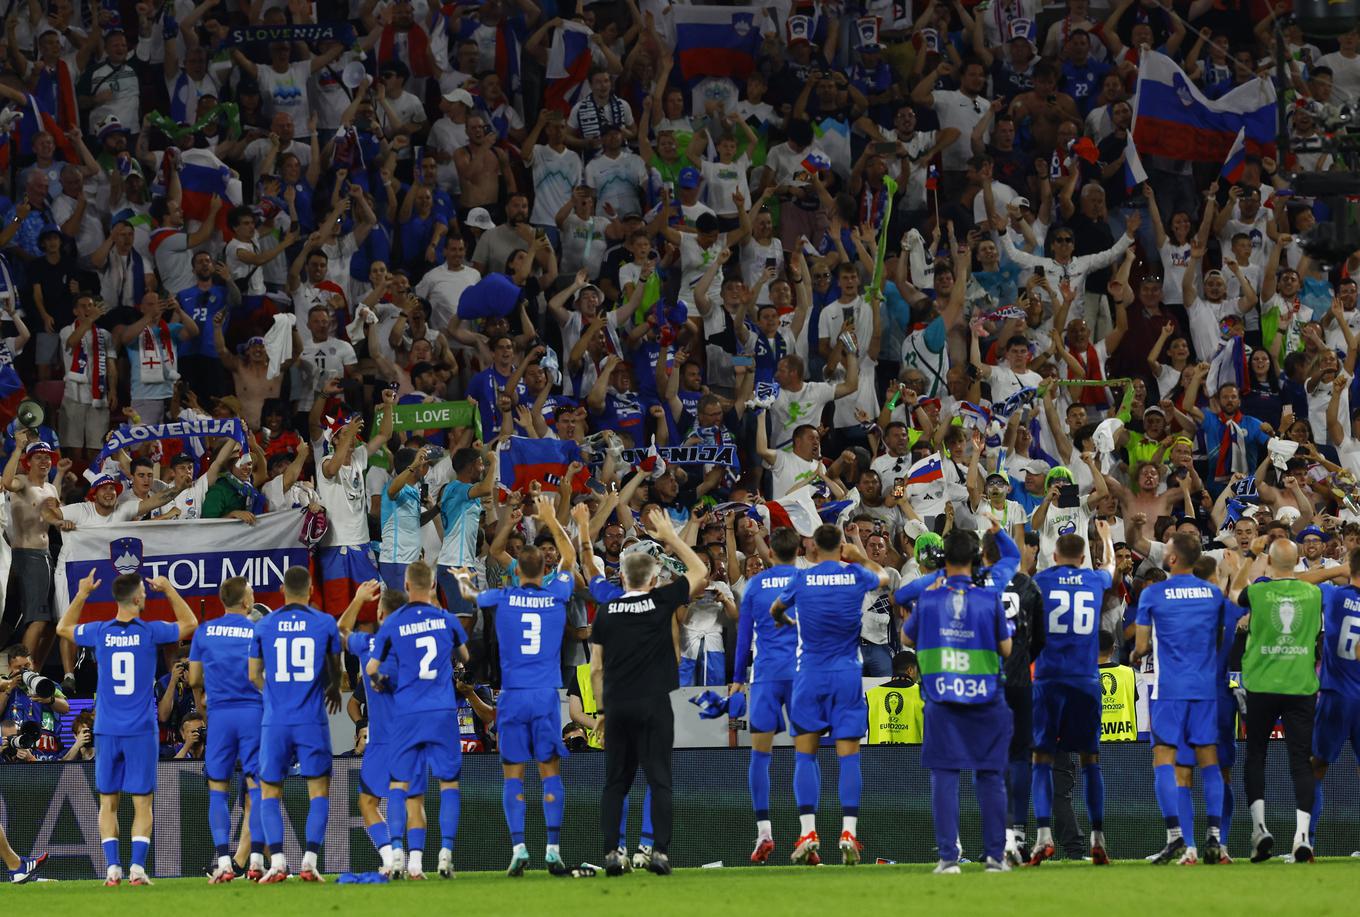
(175, 703)
(27, 697)
(82, 741)
(193, 732)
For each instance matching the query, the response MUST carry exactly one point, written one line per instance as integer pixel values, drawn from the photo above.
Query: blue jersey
(1341, 636)
(416, 644)
(381, 707)
(772, 648)
(958, 630)
(293, 644)
(125, 652)
(1071, 622)
(1186, 615)
(829, 597)
(529, 625)
(223, 647)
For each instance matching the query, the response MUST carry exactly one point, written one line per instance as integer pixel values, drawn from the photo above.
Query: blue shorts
(1190, 722)
(1067, 717)
(375, 773)
(829, 700)
(125, 764)
(392, 574)
(1226, 725)
(529, 725)
(426, 739)
(234, 736)
(1336, 720)
(974, 737)
(767, 701)
(307, 743)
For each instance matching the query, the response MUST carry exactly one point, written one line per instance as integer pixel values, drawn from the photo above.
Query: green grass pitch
(1134, 888)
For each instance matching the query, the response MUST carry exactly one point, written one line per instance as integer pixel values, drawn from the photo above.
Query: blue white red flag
(1173, 119)
(1236, 163)
(716, 40)
(568, 66)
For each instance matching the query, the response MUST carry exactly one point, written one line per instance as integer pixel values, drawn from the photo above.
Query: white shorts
(82, 426)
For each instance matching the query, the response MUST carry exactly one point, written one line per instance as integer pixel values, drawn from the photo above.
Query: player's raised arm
(184, 615)
(365, 593)
(70, 618)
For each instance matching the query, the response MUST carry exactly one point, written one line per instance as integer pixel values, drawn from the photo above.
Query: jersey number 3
(533, 633)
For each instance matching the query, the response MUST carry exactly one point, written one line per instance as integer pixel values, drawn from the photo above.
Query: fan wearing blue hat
(1313, 542)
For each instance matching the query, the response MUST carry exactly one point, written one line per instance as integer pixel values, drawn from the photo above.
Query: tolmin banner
(196, 555)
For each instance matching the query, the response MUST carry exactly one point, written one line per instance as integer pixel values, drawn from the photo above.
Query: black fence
(53, 807)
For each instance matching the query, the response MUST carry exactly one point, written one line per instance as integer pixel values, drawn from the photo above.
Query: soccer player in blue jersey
(827, 692)
(960, 634)
(1067, 698)
(530, 620)
(1338, 707)
(374, 773)
(769, 651)
(413, 657)
(1181, 619)
(219, 672)
(295, 661)
(125, 726)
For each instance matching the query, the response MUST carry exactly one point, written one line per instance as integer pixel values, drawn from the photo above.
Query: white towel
(278, 343)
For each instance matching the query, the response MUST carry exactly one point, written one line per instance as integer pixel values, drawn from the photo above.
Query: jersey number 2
(1083, 608)
(430, 648)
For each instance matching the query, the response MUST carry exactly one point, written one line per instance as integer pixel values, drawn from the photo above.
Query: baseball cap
(1023, 202)
(459, 95)
(181, 458)
(998, 478)
(479, 218)
(424, 366)
(1034, 466)
(689, 177)
(1152, 408)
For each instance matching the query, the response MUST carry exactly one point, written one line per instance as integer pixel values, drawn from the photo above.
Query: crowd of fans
(687, 263)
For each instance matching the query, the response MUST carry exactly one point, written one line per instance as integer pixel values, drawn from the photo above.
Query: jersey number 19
(294, 659)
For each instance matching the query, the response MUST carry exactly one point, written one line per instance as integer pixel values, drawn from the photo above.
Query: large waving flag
(202, 177)
(34, 119)
(793, 510)
(1236, 163)
(568, 65)
(507, 57)
(716, 40)
(525, 460)
(1172, 118)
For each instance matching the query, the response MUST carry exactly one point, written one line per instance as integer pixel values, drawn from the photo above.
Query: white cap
(459, 95)
(479, 218)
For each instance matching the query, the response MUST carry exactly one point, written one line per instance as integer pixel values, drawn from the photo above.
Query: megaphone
(30, 414)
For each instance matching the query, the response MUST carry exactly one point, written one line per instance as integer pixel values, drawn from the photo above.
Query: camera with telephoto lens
(576, 743)
(36, 685)
(26, 737)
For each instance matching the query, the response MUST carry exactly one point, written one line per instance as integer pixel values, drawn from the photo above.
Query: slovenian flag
(817, 161)
(926, 471)
(933, 178)
(568, 66)
(507, 57)
(716, 40)
(525, 460)
(1174, 119)
(34, 120)
(1236, 163)
(12, 391)
(794, 510)
(1229, 366)
(202, 177)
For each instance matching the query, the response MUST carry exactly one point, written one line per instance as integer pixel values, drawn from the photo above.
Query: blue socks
(1095, 796)
(512, 800)
(415, 839)
(807, 782)
(256, 820)
(1185, 806)
(110, 845)
(450, 807)
(1213, 795)
(219, 821)
(1042, 784)
(554, 804)
(271, 819)
(318, 813)
(758, 775)
(396, 816)
(1019, 781)
(377, 833)
(851, 783)
(944, 803)
(140, 845)
(1164, 783)
(645, 834)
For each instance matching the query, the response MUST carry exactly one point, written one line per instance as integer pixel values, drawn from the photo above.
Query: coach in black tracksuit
(633, 672)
